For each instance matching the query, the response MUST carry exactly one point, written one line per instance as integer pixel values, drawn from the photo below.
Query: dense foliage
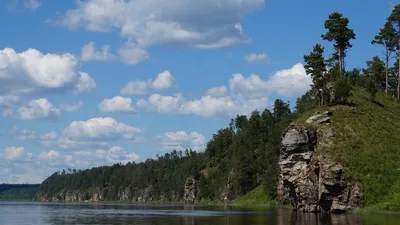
(18, 191)
(244, 154)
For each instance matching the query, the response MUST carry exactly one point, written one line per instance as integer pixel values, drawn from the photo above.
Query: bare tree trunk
(340, 59)
(398, 75)
(387, 69)
(322, 98)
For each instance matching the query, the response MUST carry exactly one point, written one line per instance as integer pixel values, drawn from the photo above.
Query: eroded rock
(189, 195)
(309, 179)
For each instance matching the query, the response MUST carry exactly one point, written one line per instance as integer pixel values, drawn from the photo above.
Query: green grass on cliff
(255, 197)
(367, 143)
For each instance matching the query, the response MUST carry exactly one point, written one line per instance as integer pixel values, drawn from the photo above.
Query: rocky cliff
(144, 195)
(310, 179)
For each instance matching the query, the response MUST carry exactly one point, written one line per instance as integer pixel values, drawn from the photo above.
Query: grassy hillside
(18, 191)
(368, 145)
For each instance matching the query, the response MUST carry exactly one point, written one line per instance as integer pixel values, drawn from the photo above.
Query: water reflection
(120, 214)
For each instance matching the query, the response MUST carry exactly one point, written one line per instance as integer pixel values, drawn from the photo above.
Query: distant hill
(18, 191)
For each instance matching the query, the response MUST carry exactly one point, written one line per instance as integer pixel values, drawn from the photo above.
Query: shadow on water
(124, 214)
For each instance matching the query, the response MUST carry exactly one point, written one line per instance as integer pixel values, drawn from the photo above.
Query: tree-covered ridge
(18, 191)
(244, 154)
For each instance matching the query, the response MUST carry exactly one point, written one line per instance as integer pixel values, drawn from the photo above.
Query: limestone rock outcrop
(189, 195)
(309, 178)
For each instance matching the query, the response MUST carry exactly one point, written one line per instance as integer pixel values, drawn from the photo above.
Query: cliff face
(309, 178)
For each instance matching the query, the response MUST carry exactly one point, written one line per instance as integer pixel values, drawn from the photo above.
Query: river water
(23, 213)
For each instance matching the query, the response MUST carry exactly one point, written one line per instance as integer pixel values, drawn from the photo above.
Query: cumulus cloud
(90, 53)
(40, 109)
(206, 106)
(33, 72)
(199, 24)
(49, 157)
(246, 95)
(8, 100)
(181, 140)
(131, 54)
(71, 107)
(162, 104)
(288, 83)
(31, 135)
(99, 157)
(209, 106)
(100, 129)
(164, 80)
(217, 91)
(85, 84)
(13, 153)
(117, 104)
(254, 58)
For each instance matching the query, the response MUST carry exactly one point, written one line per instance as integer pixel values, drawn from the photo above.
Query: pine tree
(340, 34)
(316, 67)
(394, 19)
(386, 38)
(376, 71)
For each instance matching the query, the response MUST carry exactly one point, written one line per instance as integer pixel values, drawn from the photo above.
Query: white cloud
(136, 88)
(49, 156)
(33, 72)
(39, 109)
(254, 58)
(85, 84)
(199, 24)
(117, 104)
(217, 91)
(8, 100)
(164, 80)
(223, 107)
(131, 54)
(7, 112)
(12, 153)
(288, 83)
(246, 95)
(162, 104)
(32, 4)
(291, 82)
(207, 106)
(114, 154)
(181, 140)
(71, 107)
(100, 129)
(89, 53)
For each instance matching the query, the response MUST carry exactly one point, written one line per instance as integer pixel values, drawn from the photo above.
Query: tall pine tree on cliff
(340, 34)
(394, 19)
(386, 37)
(316, 67)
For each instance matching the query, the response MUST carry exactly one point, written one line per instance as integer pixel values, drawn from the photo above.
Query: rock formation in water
(309, 178)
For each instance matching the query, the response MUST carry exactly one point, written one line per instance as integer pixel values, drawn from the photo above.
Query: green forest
(18, 191)
(242, 159)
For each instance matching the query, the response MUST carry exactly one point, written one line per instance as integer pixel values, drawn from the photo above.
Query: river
(32, 213)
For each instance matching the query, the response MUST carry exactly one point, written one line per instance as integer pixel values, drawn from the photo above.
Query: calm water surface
(21, 213)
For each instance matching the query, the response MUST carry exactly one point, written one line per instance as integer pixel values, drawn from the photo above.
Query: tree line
(330, 74)
(245, 154)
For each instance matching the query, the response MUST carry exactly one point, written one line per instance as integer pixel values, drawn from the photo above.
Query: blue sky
(94, 82)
